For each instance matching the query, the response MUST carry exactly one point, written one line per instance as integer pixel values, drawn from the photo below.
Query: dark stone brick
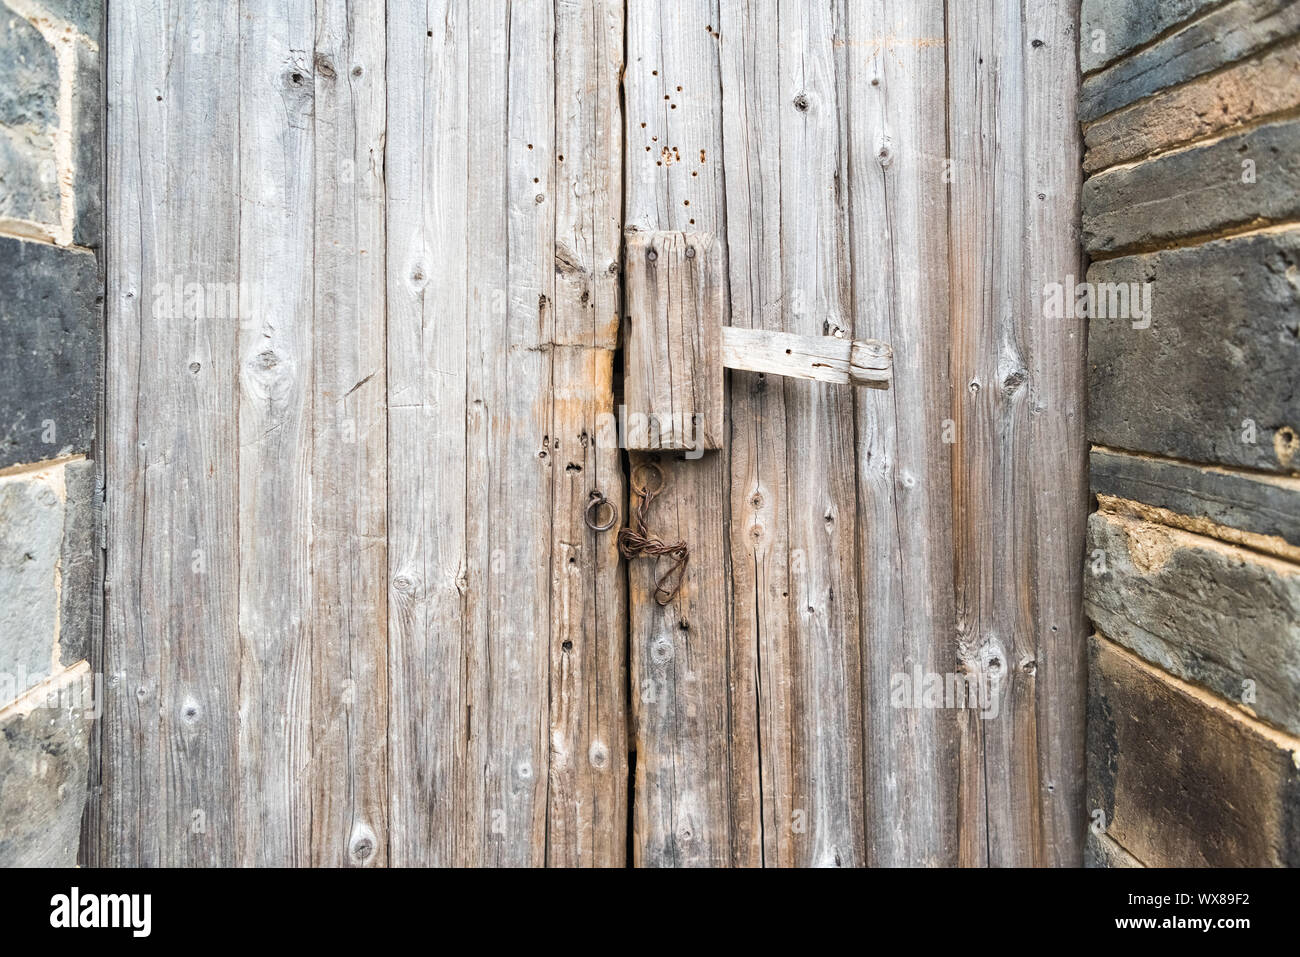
(51, 328)
(29, 91)
(86, 15)
(44, 761)
(77, 570)
(88, 151)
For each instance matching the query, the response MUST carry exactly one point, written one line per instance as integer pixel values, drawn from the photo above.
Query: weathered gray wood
(821, 358)
(1212, 614)
(1261, 505)
(1017, 374)
(674, 305)
(511, 449)
(1210, 105)
(1126, 25)
(1201, 381)
(348, 629)
(1057, 458)
(898, 221)
(1197, 191)
(276, 145)
(694, 680)
(1181, 778)
(170, 764)
(1227, 33)
(431, 715)
(588, 784)
(793, 510)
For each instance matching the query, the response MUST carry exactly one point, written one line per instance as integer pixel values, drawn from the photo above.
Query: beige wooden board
(354, 614)
(672, 391)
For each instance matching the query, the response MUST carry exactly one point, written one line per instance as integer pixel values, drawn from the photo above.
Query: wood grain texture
(274, 521)
(792, 489)
(694, 686)
(380, 631)
(348, 628)
(820, 358)
(170, 758)
(897, 130)
(587, 802)
(673, 284)
(1018, 417)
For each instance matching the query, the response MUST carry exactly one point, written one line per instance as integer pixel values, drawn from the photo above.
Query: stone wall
(1191, 118)
(51, 320)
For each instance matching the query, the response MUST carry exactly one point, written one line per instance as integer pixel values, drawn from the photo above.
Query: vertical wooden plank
(1057, 458)
(169, 728)
(276, 242)
(1018, 484)
(897, 147)
(587, 800)
(513, 458)
(427, 257)
(672, 387)
(697, 798)
(348, 772)
(793, 490)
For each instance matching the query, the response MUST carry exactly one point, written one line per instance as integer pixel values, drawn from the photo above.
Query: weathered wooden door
(365, 268)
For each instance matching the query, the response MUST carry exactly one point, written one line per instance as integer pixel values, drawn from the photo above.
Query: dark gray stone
(88, 151)
(1101, 852)
(31, 541)
(1223, 349)
(86, 15)
(29, 75)
(1235, 30)
(1127, 24)
(77, 569)
(29, 91)
(43, 772)
(1214, 615)
(1195, 191)
(51, 310)
(1241, 500)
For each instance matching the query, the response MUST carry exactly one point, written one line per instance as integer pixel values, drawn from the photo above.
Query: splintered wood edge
(867, 362)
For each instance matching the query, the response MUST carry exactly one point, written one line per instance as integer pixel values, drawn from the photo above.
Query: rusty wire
(635, 540)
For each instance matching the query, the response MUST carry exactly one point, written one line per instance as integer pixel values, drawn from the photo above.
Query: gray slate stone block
(1127, 24)
(1215, 378)
(1247, 501)
(1231, 182)
(51, 328)
(88, 151)
(1222, 36)
(44, 760)
(86, 15)
(29, 92)
(77, 567)
(31, 541)
(1211, 614)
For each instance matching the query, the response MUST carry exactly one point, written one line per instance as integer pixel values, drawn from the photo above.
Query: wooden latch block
(677, 347)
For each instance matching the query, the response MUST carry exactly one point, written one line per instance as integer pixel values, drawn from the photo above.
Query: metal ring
(640, 487)
(592, 514)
